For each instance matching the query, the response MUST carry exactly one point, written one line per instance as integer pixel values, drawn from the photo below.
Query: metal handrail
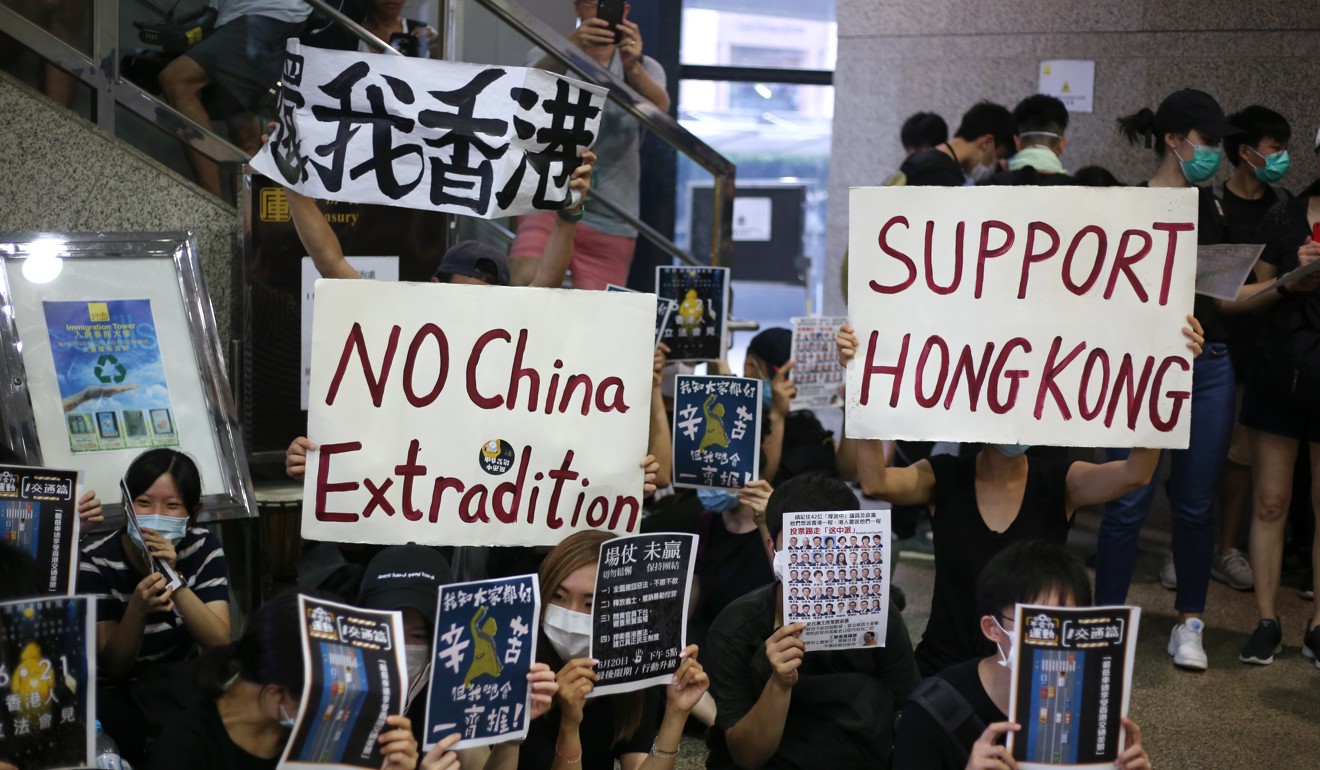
(658, 121)
(100, 72)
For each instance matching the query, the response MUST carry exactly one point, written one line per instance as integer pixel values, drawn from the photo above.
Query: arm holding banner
(89, 509)
(207, 622)
(1133, 756)
(1095, 483)
(681, 696)
(912, 485)
(318, 238)
(755, 738)
(661, 443)
(549, 270)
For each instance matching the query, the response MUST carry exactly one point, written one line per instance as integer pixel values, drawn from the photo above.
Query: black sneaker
(1311, 645)
(1265, 642)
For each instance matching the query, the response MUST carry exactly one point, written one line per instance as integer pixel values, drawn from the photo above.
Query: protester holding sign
(977, 690)
(781, 705)
(986, 501)
(253, 687)
(1186, 132)
(592, 733)
(142, 626)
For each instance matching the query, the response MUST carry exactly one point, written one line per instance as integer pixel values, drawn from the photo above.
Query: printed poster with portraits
(837, 577)
(816, 372)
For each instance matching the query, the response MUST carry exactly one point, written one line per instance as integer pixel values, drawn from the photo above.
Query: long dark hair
(154, 463)
(578, 550)
(1139, 128)
(268, 652)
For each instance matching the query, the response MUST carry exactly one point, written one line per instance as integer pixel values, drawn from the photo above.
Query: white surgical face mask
(417, 656)
(569, 632)
(1006, 659)
(781, 565)
(173, 528)
(286, 721)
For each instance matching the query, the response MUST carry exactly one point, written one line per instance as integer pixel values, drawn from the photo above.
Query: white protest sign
(1022, 314)
(467, 139)
(1071, 81)
(368, 268)
(464, 415)
(1222, 269)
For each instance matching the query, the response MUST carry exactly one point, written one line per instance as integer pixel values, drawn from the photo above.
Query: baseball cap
(405, 576)
(773, 346)
(475, 260)
(1190, 109)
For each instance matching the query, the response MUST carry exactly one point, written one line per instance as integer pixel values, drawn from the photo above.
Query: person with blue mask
(984, 502)
(1186, 133)
(142, 625)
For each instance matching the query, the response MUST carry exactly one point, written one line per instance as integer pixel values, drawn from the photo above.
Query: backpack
(952, 711)
(808, 447)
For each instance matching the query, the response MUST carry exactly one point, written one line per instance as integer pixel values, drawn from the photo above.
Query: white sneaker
(1185, 645)
(1233, 569)
(1168, 575)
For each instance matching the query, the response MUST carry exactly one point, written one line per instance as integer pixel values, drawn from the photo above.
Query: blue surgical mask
(1012, 450)
(1276, 166)
(718, 500)
(767, 397)
(171, 527)
(1203, 164)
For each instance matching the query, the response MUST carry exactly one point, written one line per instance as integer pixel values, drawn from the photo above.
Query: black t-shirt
(1244, 218)
(197, 740)
(922, 744)
(932, 168)
(964, 543)
(1290, 345)
(841, 711)
(596, 733)
(729, 566)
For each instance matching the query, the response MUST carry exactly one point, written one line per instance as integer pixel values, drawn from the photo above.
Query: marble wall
(63, 174)
(897, 57)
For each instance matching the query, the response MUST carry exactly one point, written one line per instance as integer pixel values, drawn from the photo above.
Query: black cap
(773, 346)
(1190, 109)
(405, 576)
(475, 260)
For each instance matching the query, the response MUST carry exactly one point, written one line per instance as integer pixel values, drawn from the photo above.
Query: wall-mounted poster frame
(108, 347)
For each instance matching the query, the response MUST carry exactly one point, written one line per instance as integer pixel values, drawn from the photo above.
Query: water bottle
(107, 753)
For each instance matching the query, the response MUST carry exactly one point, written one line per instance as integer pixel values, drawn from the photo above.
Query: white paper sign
(1022, 315)
(751, 219)
(816, 372)
(838, 577)
(1071, 80)
(1222, 269)
(461, 415)
(369, 268)
(428, 134)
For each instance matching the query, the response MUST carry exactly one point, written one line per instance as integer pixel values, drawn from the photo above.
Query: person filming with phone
(603, 250)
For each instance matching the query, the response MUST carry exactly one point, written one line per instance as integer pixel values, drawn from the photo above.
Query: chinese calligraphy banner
(48, 662)
(428, 134)
(698, 327)
(353, 678)
(1072, 679)
(485, 645)
(837, 580)
(717, 431)
(39, 515)
(816, 372)
(639, 611)
(112, 381)
(457, 415)
(1022, 315)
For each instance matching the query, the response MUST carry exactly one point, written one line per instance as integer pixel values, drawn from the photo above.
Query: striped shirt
(106, 573)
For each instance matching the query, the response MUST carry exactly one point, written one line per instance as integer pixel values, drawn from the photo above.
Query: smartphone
(611, 11)
(1315, 232)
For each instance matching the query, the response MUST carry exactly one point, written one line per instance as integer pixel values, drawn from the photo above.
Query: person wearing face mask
(1041, 122)
(731, 559)
(593, 733)
(972, 156)
(1033, 572)
(145, 631)
(252, 689)
(1259, 156)
(1186, 133)
(983, 502)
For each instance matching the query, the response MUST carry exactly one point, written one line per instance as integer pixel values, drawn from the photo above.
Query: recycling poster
(112, 381)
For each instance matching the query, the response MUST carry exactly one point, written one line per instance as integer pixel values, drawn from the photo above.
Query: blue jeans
(1192, 487)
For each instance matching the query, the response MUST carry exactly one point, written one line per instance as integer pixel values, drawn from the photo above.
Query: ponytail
(216, 669)
(1139, 127)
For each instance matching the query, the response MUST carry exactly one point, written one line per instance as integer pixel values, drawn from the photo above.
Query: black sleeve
(1275, 228)
(943, 468)
(899, 667)
(731, 682)
(919, 741)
